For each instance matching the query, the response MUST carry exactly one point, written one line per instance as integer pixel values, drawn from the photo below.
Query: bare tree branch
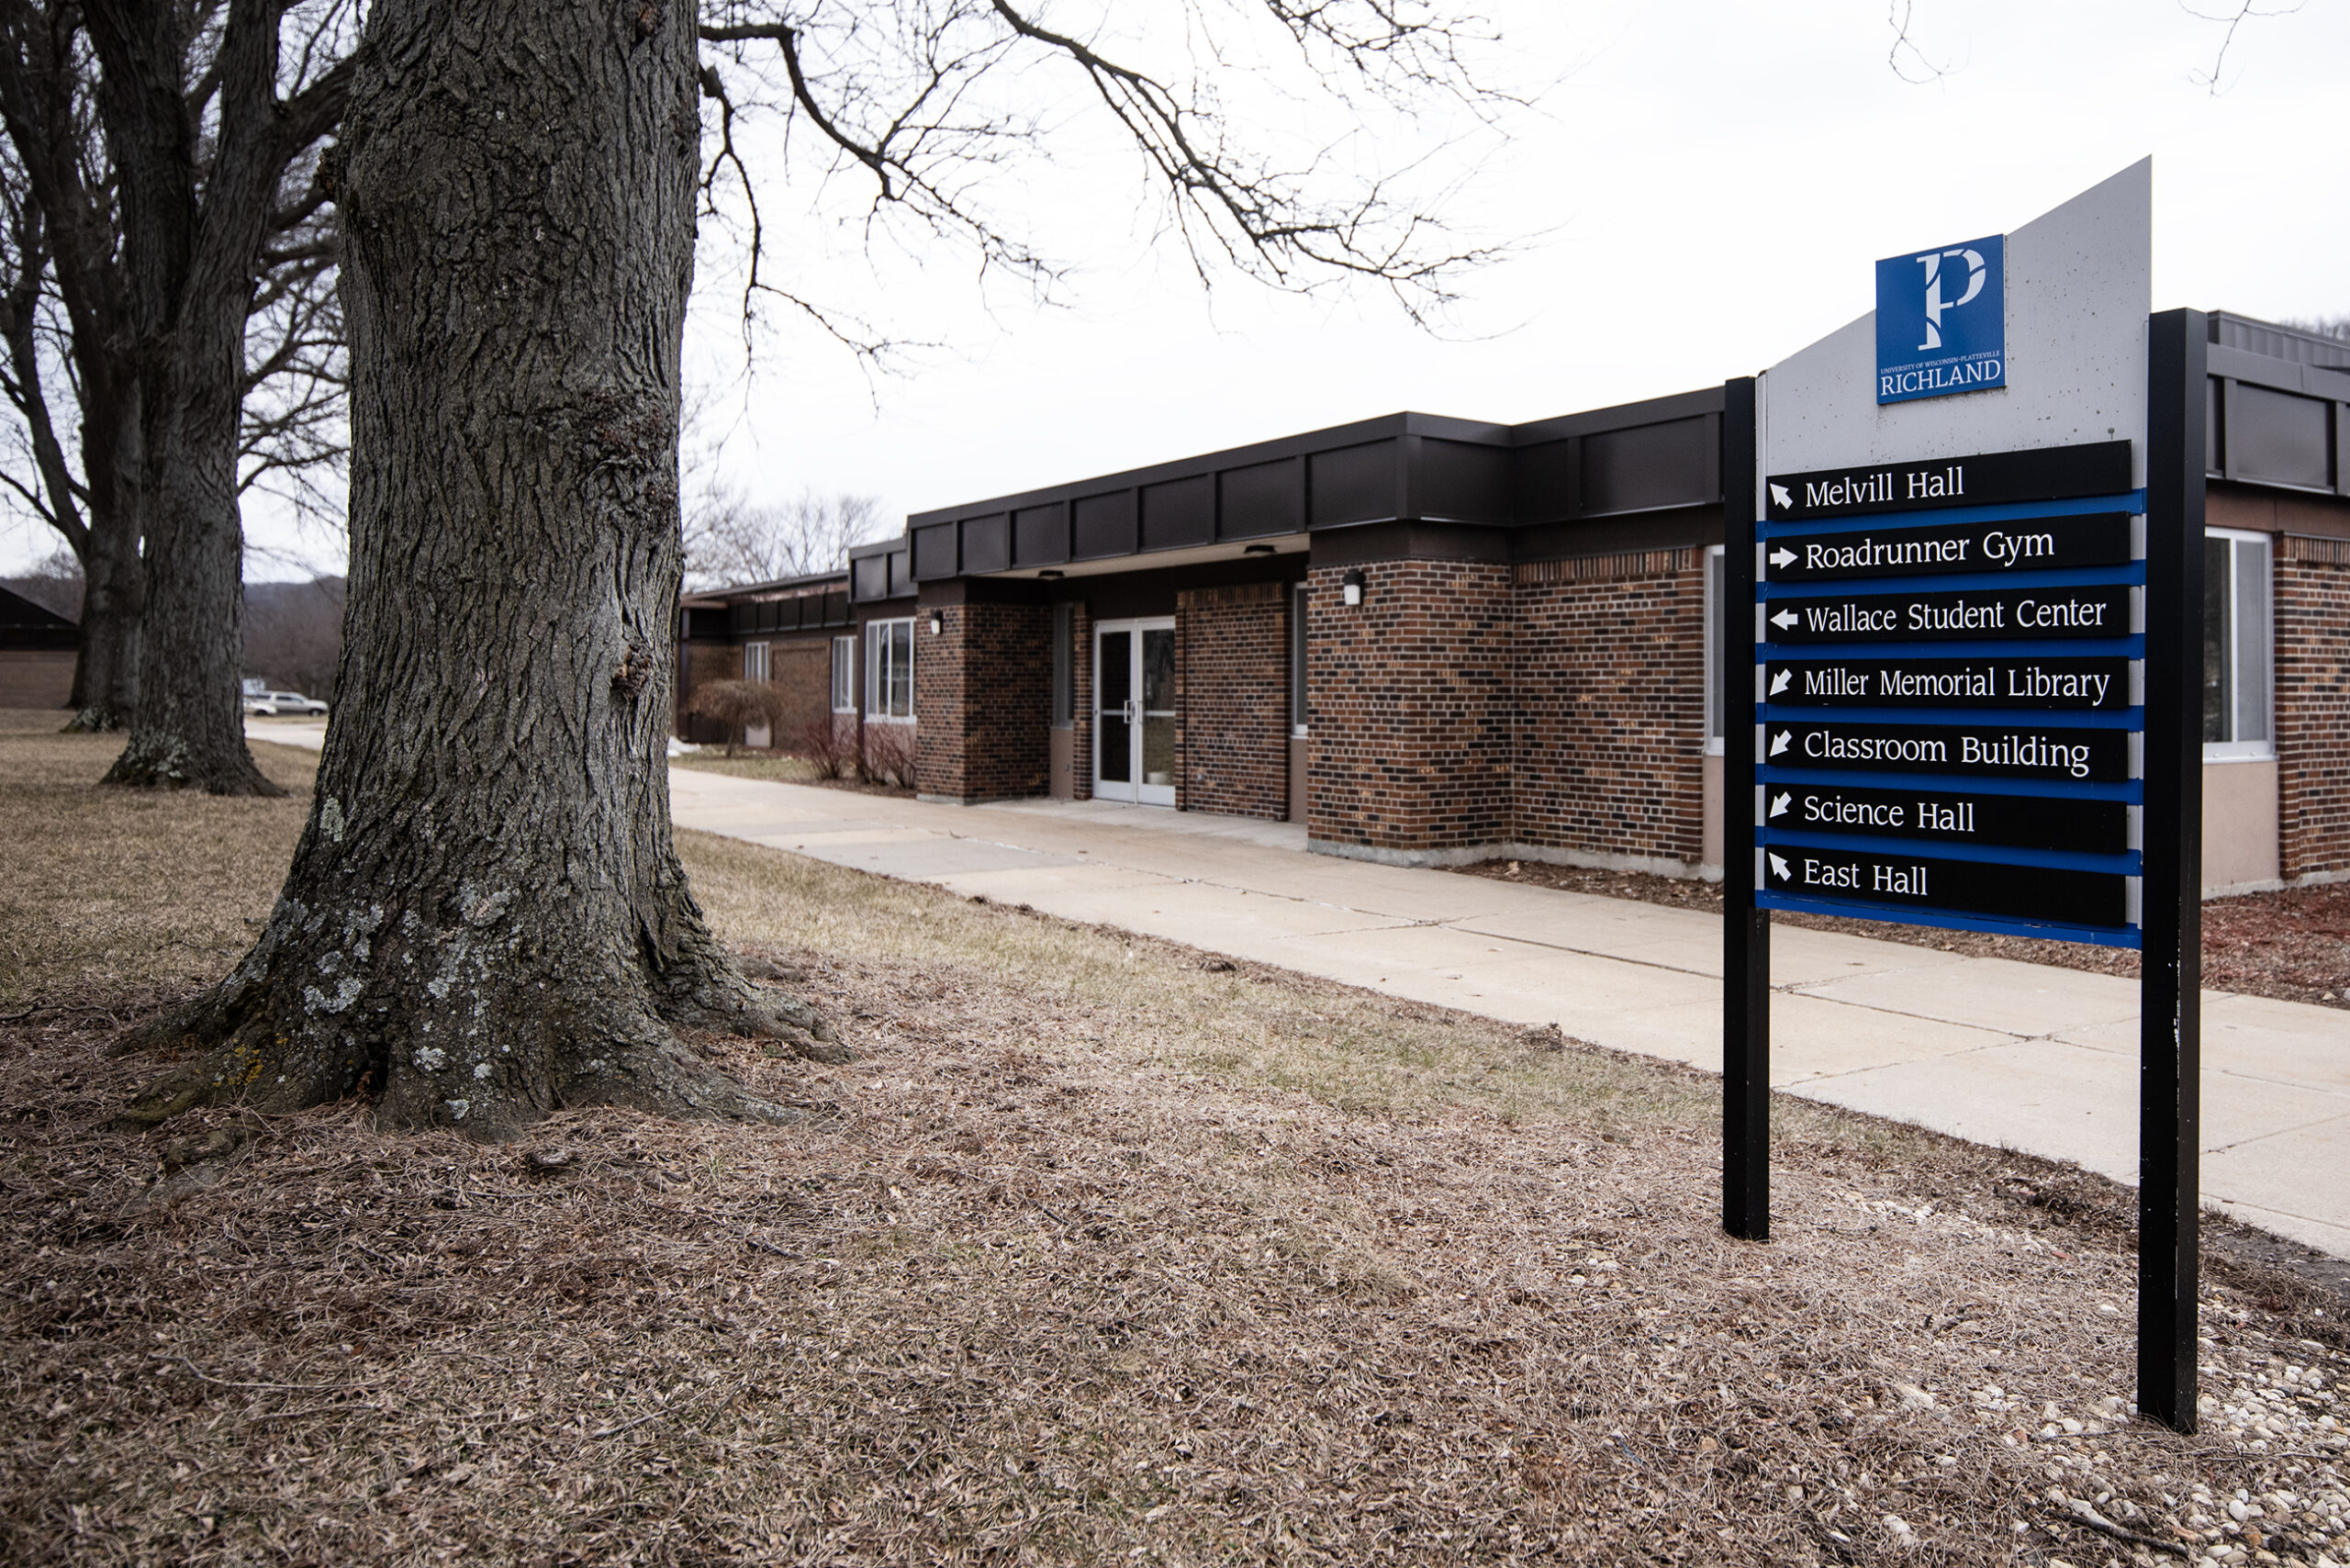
(2232, 18)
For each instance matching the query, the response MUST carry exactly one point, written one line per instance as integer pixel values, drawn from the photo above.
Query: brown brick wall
(801, 668)
(35, 677)
(1410, 697)
(1610, 704)
(982, 699)
(2312, 697)
(1232, 664)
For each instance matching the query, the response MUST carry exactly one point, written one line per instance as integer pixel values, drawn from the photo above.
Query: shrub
(823, 745)
(888, 756)
(738, 704)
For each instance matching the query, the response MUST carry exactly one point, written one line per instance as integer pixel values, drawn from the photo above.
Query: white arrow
(1784, 619)
(1779, 681)
(1778, 868)
(1779, 497)
(1782, 555)
(1781, 741)
(1779, 802)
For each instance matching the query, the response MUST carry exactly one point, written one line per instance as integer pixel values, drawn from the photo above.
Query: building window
(755, 661)
(1299, 714)
(890, 669)
(1064, 665)
(2236, 647)
(844, 674)
(1717, 578)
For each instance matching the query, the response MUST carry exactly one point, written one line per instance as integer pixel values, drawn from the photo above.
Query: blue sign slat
(2095, 935)
(2130, 647)
(2129, 863)
(2131, 790)
(2071, 718)
(2133, 501)
(2133, 575)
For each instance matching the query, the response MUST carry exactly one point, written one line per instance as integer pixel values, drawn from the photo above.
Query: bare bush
(887, 756)
(821, 745)
(739, 705)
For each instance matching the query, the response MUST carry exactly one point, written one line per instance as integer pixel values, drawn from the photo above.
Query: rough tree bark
(486, 918)
(190, 254)
(58, 225)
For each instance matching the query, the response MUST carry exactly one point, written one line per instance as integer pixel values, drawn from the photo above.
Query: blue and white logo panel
(1942, 320)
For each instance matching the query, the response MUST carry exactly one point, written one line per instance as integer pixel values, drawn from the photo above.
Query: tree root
(167, 762)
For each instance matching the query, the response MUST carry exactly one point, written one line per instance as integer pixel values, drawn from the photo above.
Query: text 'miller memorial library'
(1433, 641)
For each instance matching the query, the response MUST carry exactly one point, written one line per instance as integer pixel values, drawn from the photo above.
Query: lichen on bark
(486, 918)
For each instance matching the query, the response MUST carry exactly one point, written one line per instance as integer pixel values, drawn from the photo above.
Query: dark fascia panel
(1242, 492)
(2277, 423)
(1659, 454)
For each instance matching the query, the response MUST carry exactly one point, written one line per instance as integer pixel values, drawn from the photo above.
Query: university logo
(1942, 320)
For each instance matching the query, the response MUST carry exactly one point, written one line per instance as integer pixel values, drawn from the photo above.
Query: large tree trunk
(190, 266)
(487, 918)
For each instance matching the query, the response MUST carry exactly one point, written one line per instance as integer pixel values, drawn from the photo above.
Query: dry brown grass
(1098, 1254)
(121, 892)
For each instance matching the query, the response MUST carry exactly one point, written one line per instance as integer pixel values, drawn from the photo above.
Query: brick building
(1435, 641)
(37, 652)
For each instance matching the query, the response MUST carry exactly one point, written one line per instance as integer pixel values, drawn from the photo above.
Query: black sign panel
(2029, 545)
(2025, 821)
(2053, 474)
(2081, 897)
(2006, 614)
(2093, 684)
(1982, 751)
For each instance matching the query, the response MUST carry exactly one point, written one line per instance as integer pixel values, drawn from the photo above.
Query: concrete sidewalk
(2041, 1060)
(2035, 1058)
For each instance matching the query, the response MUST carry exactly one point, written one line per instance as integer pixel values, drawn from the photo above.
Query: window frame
(2262, 658)
(758, 653)
(881, 651)
(843, 673)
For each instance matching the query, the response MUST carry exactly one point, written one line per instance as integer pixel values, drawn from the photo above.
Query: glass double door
(1134, 717)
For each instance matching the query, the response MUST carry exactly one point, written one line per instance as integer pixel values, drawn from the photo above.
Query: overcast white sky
(1707, 185)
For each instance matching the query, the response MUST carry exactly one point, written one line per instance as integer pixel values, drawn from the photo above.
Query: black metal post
(1746, 930)
(2170, 1002)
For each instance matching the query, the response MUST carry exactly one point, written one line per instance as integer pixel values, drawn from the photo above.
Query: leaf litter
(1100, 1253)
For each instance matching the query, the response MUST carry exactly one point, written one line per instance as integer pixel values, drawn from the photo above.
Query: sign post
(1975, 671)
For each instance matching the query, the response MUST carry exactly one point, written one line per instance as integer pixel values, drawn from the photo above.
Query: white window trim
(767, 666)
(1715, 746)
(2261, 750)
(843, 675)
(875, 671)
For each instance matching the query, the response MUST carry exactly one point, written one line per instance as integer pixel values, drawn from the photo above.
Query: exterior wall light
(937, 623)
(1050, 574)
(1257, 550)
(1350, 588)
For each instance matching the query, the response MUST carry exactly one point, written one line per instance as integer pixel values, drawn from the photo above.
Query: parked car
(281, 704)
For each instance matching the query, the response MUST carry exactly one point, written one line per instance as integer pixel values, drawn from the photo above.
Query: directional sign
(2088, 898)
(2053, 474)
(2036, 544)
(2008, 614)
(1970, 817)
(2097, 684)
(1976, 751)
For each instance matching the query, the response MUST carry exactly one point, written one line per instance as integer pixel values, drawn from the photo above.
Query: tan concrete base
(2240, 839)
